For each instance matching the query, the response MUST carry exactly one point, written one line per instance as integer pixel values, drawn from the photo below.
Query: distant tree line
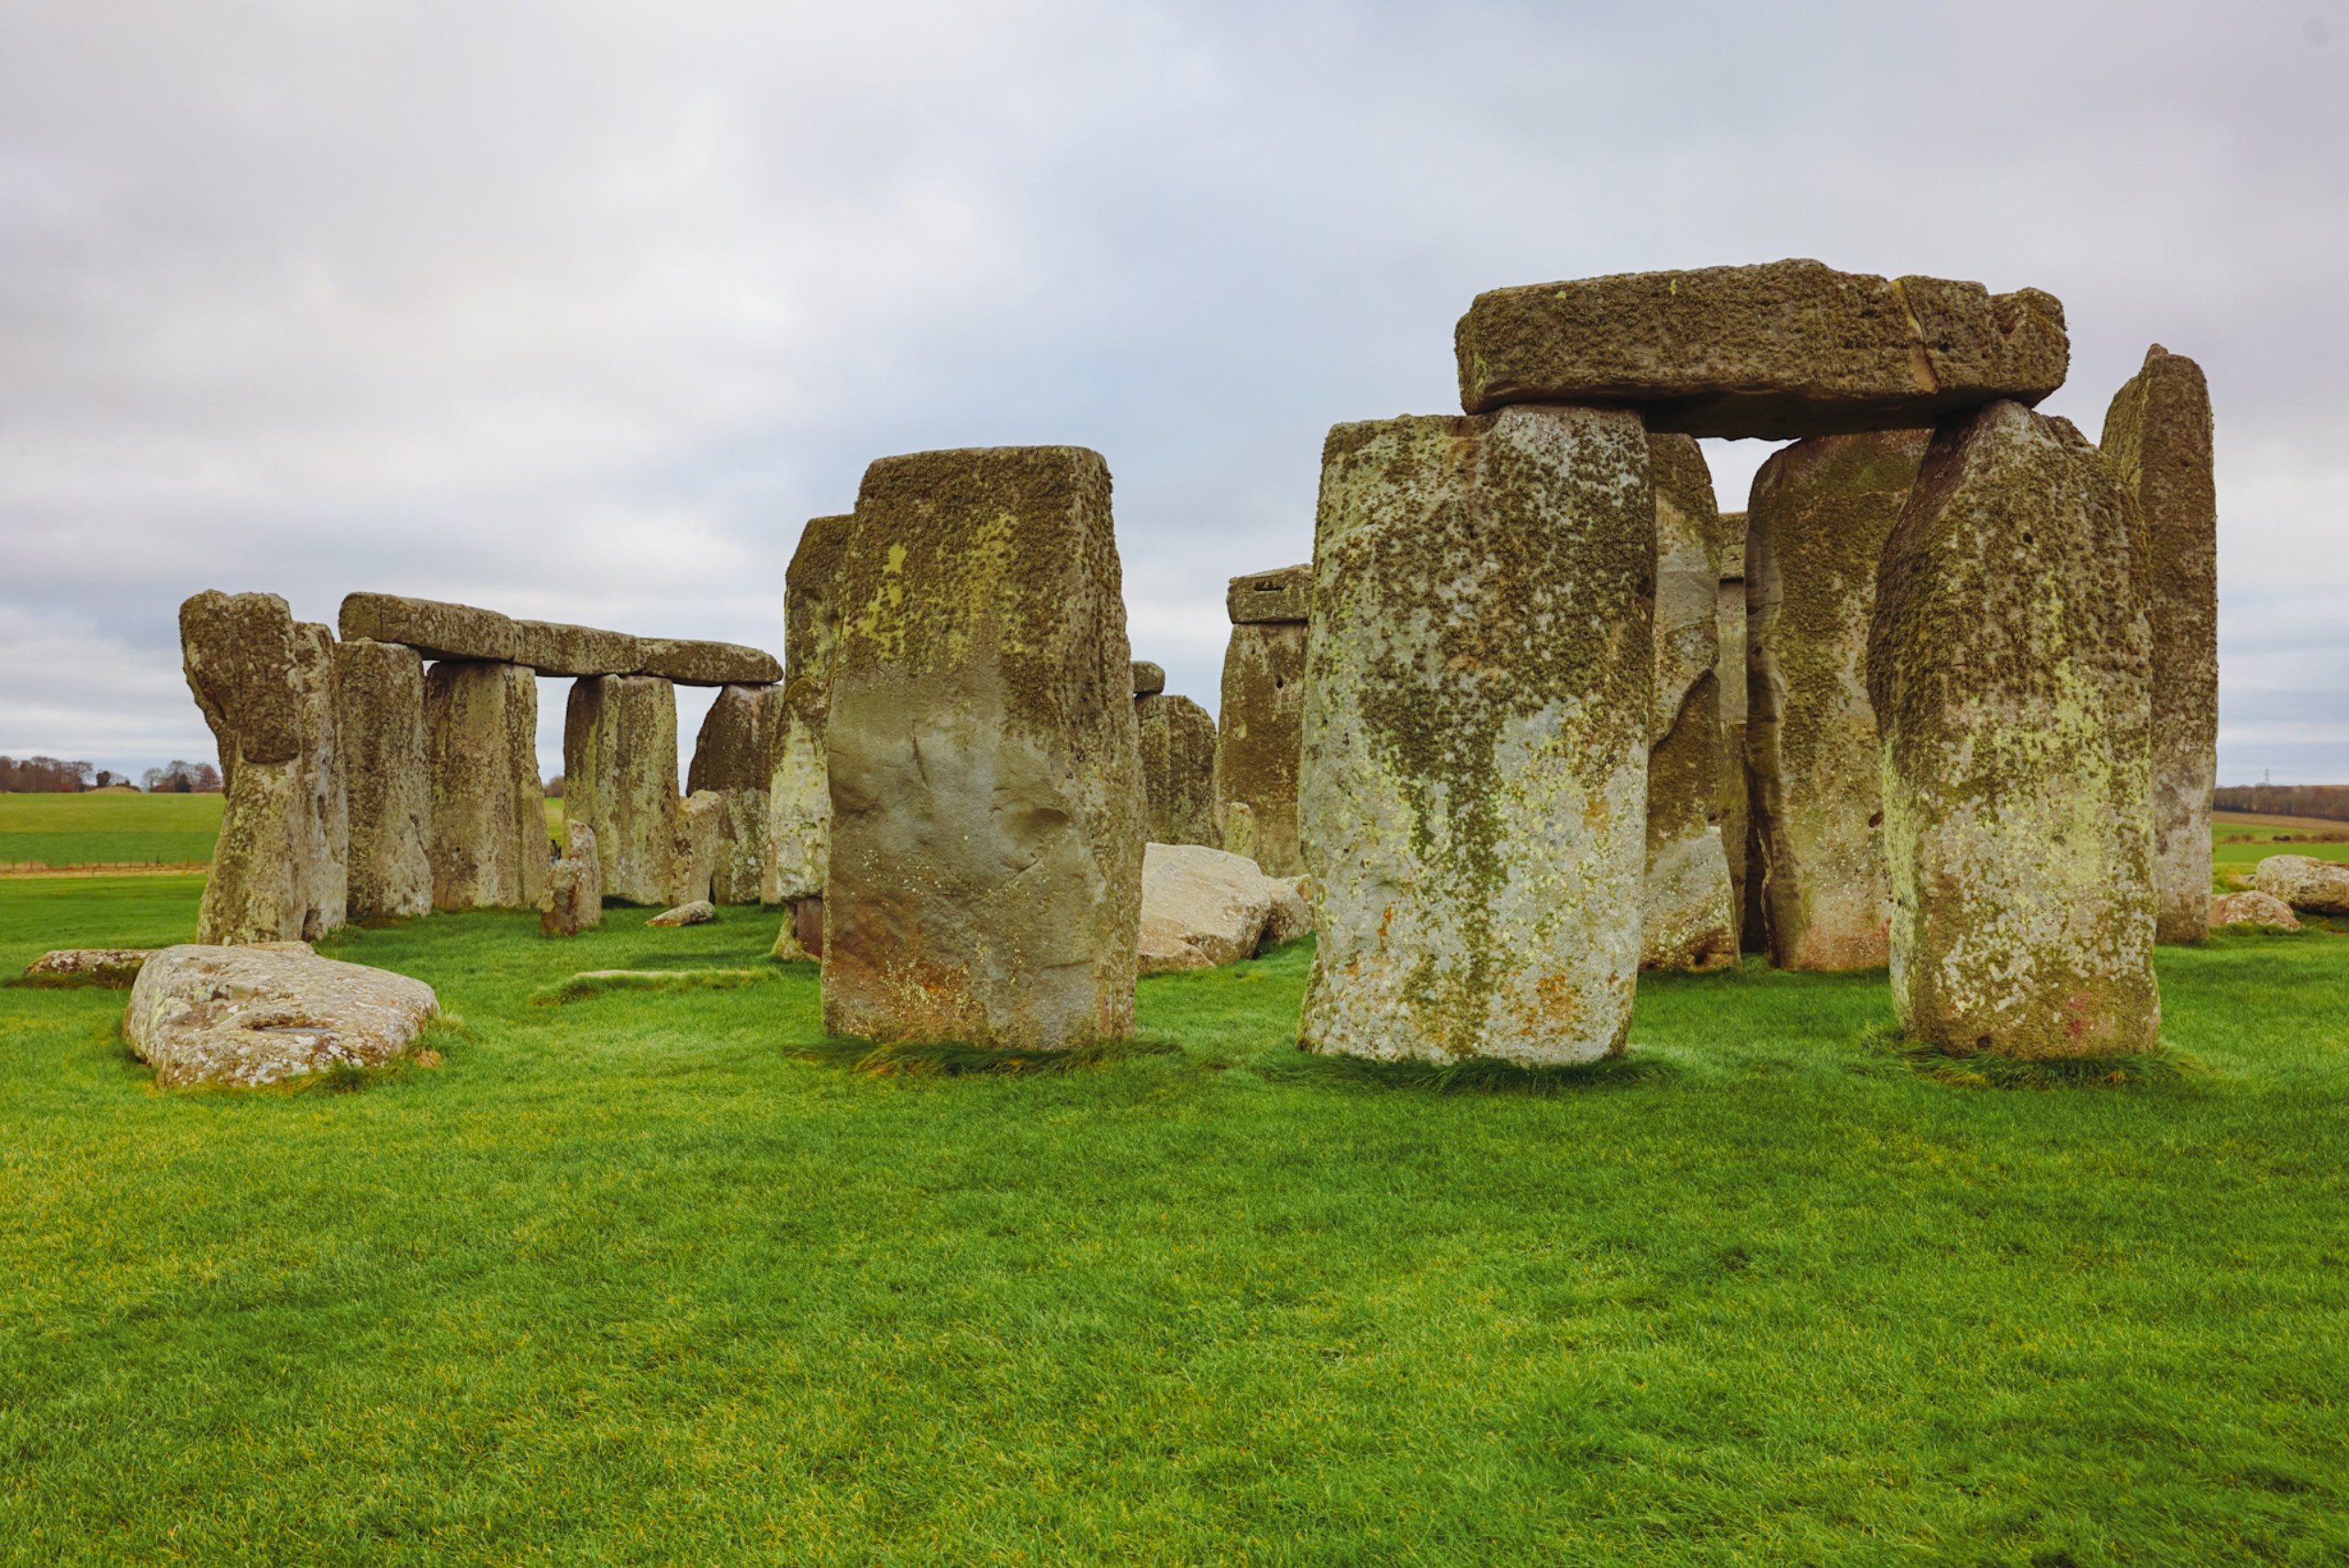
(2330, 801)
(182, 778)
(47, 775)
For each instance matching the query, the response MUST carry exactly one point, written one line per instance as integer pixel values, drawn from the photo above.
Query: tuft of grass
(1983, 1070)
(602, 982)
(952, 1061)
(1471, 1075)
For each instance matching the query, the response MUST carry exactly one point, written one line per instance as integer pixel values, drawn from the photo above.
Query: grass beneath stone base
(650, 1279)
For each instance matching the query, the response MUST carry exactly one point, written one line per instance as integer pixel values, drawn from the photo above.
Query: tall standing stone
(1264, 711)
(1822, 510)
(733, 760)
(1728, 670)
(2158, 439)
(1690, 920)
(799, 795)
(489, 844)
(1477, 714)
(984, 877)
(2009, 667)
(266, 683)
(1177, 769)
(381, 734)
(620, 777)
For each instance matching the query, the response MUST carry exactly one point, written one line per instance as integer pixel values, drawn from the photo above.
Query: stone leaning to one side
(984, 877)
(1476, 722)
(1787, 348)
(2009, 666)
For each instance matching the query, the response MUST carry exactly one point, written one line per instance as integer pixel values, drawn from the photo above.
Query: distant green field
(2239, 846)
(86, 829)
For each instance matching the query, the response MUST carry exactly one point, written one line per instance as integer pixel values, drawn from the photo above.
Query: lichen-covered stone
(441, 630)
(1789, 348)
(2307, 884)
(2158, 439)
(575, 897)
(733, 757)
(700, 912)
(1148, 679)
(433, 628)
(380, 688)
(1477, 712)
(984, 876)
(112, 968)
(1257, 744)
(619, 778)
(2009, 666)
(1284, 593)
(1729, 672)
(696, 846)
(266, 684)
(2253, 908)
(1689, 920)
(691, 664)
(1178, 770)
(799, 794)
(488, 843)
(249, 1016)
(552, 648)
(1821, 511)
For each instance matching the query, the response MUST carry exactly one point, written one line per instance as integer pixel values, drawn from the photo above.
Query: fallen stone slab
(250, 1016)
(114, 968)
(1262, 598)
(1781, 351)
(2253, 908)
(2309, 885)
(1202, 909)
(700, 912)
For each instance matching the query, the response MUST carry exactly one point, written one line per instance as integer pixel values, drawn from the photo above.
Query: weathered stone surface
(2009, 667)
(1729, 670)
(442, 630)
(1689, 920)
(2158, 439)
(434, 628)
(2253, 908)
(985, 861)
(1148, 679)
(380, 689)
(1787, 348)
(619, 778)
(698, 846)
(1821, 511)
(553, 649)
(1477, 714)
(1257, 747)
(1284, 593)
(114, 968)
(1201, 908)
(574, 899)
(1178, 770)
(488, 840)
(700, 912)
(248, 1016)
(734, 758)
(1292, 915)
(266, 684)
(708, 663)
(799, 794)
(2307, 884)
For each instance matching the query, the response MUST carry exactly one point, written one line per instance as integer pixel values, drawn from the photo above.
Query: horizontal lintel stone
(440, 630)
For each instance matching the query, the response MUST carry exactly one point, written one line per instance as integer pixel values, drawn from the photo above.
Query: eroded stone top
(1285, 594)
(1148, 679)
(1781, 351)
(441, 630)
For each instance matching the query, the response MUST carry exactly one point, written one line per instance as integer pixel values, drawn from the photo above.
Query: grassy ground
(80, 829)
(629, 1279)
(2237, 845)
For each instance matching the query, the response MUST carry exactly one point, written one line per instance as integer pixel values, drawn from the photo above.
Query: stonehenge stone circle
(1178, 770)
(488, 845)
(733, 759)
(1822, 510)
(440, 630)
(620, 779)
(380, 729)
(984, 875)
(1690, 918)
(1264, 709)
(799, 791)
(1785, 349)
(2158, 439)
(1477, 704)
(575, 898)
(266, 684)
(2009, 668)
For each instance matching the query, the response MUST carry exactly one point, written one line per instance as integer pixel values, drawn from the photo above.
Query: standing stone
(2010, 666)
(380, 731)
(488, 845)
(697, 848)
(620, 777)
(1477, 715)
(799, 795)
(1263, 711)
(1729, 670)
(1690, 918)
(1821, 511)
(985, 862)
(1178, 770)
(2158, 439)
(574, 899)
(266, 683)
(733, 759)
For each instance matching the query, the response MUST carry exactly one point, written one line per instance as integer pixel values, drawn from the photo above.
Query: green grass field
(627, 1280)
(86, 829)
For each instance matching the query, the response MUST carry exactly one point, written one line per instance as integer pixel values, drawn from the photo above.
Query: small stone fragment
(1785, 349)
(2253, 908)
(249, 1016)
(380, 687)
(1178, 770)
(575, 898)
(2009, 667)
(700, 912)
(619, 778)
(113, 968)
(488, 844)
(1478, 702)
(2309, 885)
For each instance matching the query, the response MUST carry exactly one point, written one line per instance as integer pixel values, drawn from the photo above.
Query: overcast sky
(579, 310)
